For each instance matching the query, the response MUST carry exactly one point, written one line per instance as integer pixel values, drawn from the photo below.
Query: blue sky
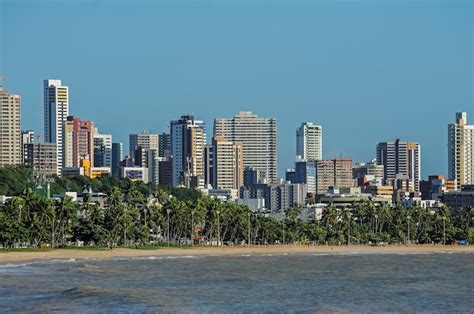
(367, 71)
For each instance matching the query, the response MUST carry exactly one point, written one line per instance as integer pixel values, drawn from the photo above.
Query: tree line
(137, 214)
(130, 218)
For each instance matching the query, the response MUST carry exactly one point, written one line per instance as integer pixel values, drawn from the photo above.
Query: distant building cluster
(238, 162)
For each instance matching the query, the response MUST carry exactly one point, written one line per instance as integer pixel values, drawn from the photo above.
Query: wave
(165, 257)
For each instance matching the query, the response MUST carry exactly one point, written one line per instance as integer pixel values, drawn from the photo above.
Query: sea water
(437, 282)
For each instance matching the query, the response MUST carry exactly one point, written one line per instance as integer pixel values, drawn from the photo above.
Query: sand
(77, 254)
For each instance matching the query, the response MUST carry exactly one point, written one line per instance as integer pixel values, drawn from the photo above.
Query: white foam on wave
(13, 265)
(124, 258)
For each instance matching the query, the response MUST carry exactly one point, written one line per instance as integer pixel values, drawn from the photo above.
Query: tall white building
(56, 111)
(309, 141)
(102, 149)
(259, 139)
(10, 134)
(188, 138)
(461, 150)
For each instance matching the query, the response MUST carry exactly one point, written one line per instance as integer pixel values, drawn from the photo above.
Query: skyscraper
(461, 151)
(228, 164)
(102, 149)
(164, 145)
(188, 138)
(117, 156)
(140, 143)
(259, 139)
(56, 111)
(10, 137)
(78, 142)
(402, 159)
(309, 141)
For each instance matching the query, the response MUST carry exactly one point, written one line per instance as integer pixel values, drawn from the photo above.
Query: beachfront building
(56, 111)
(102, 149)
(227, 164)
(461, 151)
(188, 139)
(10, 136)
(400, 159)
(309, 141)
(78, 142)
(335, 173)
(140, 143)
(258, 137)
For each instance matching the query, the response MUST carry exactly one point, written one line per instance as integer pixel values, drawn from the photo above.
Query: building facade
(78, 142)
(227, 164)
(309, 141)
(400, 158)
(117, 157)
(140, 143)
(27, 137)
(336, 173)
(42, 157)
(10, 136)
(188, 139)
(102, 149)
(56, 111)
(164, 145)
(461, 151)
(258, 137)
(305, 172)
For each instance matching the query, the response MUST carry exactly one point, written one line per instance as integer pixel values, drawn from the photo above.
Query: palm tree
(293, 212)
(65, 216)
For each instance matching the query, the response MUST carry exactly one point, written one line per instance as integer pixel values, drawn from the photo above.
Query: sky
(367, 71)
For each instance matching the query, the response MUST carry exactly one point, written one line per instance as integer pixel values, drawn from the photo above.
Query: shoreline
(84, 254)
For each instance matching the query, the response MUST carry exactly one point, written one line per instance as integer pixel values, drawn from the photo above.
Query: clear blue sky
(368, 71)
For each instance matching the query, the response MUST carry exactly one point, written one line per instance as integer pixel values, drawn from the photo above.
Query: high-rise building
(336, 173)
(102, 149)
(42, 157)
(305, 172)
(27, 137)
(209, 165)
(56, 111)
(461, 151)
(10, 137)
(117, 156)
(400, 158)
(309, 141)
(370, 172)
(259, 139)
(78, 141)
(153, 165)
(228, 164)
(252, 176)
(140, 143)
(290, 175)
(188, 138)
(166, 172)
(164, 145)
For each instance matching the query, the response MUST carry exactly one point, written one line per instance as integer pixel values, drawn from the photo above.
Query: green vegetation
(148, 216)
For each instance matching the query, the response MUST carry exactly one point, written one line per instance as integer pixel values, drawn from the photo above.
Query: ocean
(439, 282)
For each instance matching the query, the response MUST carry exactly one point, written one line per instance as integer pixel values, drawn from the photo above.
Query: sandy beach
(18, 256)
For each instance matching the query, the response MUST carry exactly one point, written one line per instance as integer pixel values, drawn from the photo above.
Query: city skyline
(352, 80)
